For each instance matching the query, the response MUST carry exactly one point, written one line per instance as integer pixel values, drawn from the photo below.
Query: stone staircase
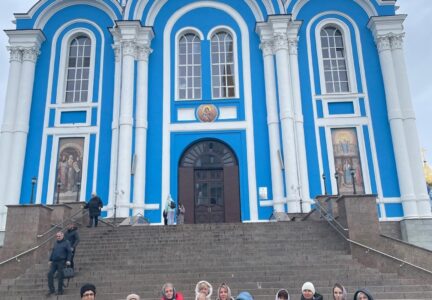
(259, 258)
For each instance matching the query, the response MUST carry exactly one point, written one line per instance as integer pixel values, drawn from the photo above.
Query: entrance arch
(208, 183)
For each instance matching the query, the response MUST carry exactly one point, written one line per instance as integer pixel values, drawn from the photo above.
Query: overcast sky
(418, 52)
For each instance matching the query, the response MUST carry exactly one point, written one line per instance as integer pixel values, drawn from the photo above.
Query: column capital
(293, 46)
(143, 52)
(267, 48)
(117, 51)
(30, 54)
(129, 48)
(396, 41)
(383, 43)
(15, 53)
(265, 32)
(386, 26)
(280, 41)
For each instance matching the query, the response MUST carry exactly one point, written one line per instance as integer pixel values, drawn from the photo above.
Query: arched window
(78, 70)
(189, 67)
(222, 65)
(334, 60)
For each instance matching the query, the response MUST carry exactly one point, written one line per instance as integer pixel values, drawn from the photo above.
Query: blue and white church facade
(238, 109)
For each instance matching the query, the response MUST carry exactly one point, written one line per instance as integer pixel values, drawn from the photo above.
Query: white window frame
(53, 166)
(362, 154)
(63, 63)
(235, 60)
(349, 58)
(181, 32)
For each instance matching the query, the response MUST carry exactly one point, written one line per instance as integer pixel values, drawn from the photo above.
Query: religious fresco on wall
(347, 160)
(69, 170)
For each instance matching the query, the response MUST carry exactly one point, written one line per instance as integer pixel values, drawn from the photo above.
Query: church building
(242, 110)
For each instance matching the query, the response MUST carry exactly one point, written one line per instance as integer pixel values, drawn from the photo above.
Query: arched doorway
(209, 183)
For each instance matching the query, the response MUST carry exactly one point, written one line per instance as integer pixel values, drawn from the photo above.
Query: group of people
(63, 252)
(204, 291)
(170, 211)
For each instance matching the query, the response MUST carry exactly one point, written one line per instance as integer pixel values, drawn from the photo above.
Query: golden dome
(427, 170)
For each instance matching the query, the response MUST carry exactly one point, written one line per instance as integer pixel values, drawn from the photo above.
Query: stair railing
(326, 215)
(67, 221)
(55, 226)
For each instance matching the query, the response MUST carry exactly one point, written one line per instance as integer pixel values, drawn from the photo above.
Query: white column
(298, 116)
(286, 113)
(21, 126)
(396, 127)
(266, 46)
(115, 130)
(141, 129)
(409, 122)
(6, 134)
(125, 122)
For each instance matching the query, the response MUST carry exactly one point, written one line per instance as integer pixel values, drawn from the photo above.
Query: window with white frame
(334, 60)
(222, 65)
(78, 70)
(189, 67)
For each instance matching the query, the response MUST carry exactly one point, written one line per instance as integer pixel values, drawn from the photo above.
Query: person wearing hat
(170, 293)
(339, 292)
(308, 292)
(133, 297)
(94, 206)
(363, 294)
(88, 292)
(282, 294)
(244, 296)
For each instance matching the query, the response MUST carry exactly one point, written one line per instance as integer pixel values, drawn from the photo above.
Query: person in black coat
(60, 255)
(72, 236)
(94, 206)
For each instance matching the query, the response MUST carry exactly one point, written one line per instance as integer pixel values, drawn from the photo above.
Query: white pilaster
(6, 134)
(266, 36)
(409, 122)
(383, 28)
(115, 128)
(128, 31)
(21, 126)
(141, 125)
(286, 106)
(293, 29)
(29, 41)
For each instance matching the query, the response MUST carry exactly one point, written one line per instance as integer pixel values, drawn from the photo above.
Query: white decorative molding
(342, 96)
(15, 53)
(56, 6)
(186, 114)
(72, 130)
(253, 205)
(235, 56)
(349, 54)
(227, 112)
(157, 5)
(64, 55)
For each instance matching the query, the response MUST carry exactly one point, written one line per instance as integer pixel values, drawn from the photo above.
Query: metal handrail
(60, 225)
(329, 218)
(329, 215)
(42, 235)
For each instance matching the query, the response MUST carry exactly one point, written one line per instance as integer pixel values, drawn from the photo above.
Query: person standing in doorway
(170, 209)
(60, 256)
(180, 213)
(94, 206)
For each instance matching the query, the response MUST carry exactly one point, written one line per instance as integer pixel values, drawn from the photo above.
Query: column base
(417, 232)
